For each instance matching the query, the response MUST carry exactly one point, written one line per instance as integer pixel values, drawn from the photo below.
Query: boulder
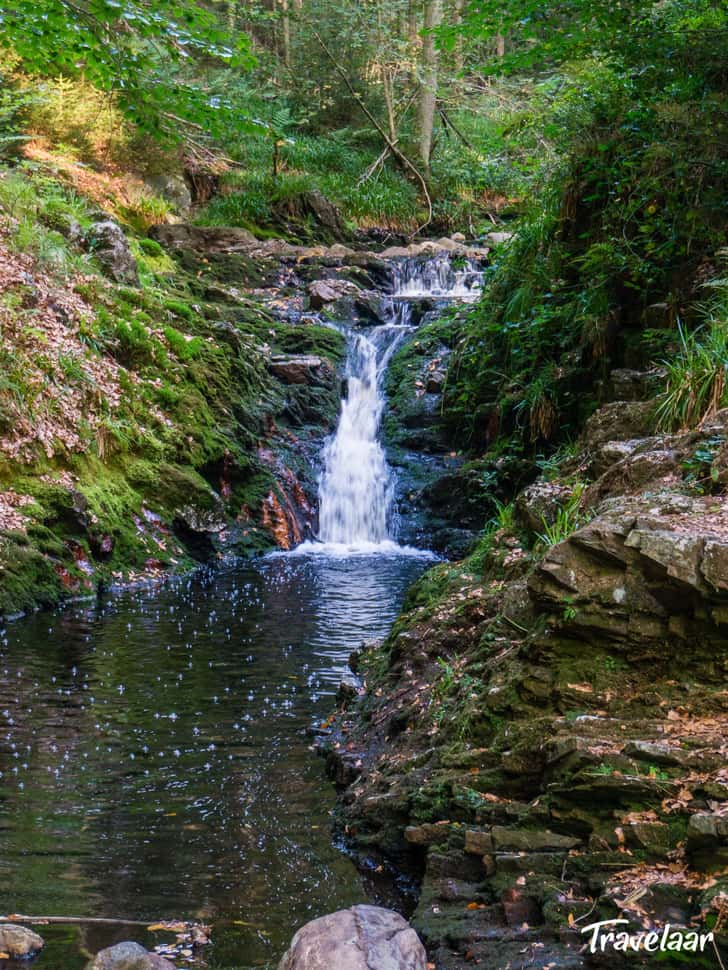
(359, 938)
(539, 504)
(498, 238)
(618, 421)
(173, 188)
(128, 956)
(207, 239)
(18, 941)
(313, 205)
(299, 369)
(323, 292)
(110, 246)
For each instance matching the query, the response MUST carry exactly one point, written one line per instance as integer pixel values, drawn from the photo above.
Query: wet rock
(435, 381)
(18, 941)
(300, 369)
(323, 292)
(128, 956)
(110, 246)
(359, 938)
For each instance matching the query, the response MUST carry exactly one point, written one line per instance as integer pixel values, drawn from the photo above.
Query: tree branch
(398, 153)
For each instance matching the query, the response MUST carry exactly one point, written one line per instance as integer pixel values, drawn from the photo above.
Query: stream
(154, 756)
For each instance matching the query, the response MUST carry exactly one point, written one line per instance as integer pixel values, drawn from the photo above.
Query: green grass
(696, 377)
(569, 518)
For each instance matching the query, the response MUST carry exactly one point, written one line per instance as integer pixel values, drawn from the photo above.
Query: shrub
(696, 378)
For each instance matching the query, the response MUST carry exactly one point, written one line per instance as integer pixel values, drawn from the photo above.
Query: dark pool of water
(155, 762)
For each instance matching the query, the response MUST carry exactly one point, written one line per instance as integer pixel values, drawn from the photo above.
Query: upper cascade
(356, 486)
(439, 277)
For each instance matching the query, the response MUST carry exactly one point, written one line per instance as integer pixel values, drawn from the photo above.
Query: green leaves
(146, 53)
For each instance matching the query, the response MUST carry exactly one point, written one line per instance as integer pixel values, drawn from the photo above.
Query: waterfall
(356, 485)
(355, 489)
(438, 277)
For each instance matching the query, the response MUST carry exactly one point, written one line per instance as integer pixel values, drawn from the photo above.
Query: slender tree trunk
(428, 85)
(413, 30)
(459, 48)
(286, 33)
(500, 46)
(388, 87)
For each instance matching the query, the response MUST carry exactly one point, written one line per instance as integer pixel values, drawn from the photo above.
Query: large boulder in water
(128, 956)
(18, 941)
(359, 938)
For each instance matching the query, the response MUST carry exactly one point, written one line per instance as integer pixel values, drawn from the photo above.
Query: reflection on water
(153, 756)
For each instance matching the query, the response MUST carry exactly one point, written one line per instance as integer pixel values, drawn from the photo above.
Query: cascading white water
(439, 277)
(356, 485)
(355, 488)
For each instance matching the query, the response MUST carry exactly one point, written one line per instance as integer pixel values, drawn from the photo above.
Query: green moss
(27, 577)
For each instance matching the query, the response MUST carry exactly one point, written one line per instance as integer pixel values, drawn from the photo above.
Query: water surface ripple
(154, 757)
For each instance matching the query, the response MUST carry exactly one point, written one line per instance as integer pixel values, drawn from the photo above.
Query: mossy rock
(27, 577)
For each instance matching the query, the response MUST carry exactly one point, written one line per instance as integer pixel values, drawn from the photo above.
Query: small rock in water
(17, 941)
(359, 938)
(128, 956)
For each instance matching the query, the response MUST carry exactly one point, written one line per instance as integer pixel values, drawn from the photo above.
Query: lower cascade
(356, 487)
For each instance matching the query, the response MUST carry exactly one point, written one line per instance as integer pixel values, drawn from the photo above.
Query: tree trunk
(412, 29)
(428, 84)
(459, 47)
(500, 46)
(286, 33)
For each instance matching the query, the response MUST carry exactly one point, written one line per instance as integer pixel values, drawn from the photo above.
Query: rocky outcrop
(110, 246)
(360, 938)
(646, 571)
(128, 956)
(208, 239)
(541, 740)
(301, 369)
(19, 942)
(224, 239)
(312, 205)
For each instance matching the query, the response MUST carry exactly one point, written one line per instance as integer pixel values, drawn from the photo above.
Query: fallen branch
(398, 154)
(382, 158)
(43, 920)
(449, 123)
(377, 163)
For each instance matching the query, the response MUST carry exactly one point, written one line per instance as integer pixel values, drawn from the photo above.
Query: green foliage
(333, 165)
(139, 51)
(569, 518)
(635, 205)
(696, 378)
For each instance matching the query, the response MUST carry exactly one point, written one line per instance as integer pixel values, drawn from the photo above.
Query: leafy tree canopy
(146, 53)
